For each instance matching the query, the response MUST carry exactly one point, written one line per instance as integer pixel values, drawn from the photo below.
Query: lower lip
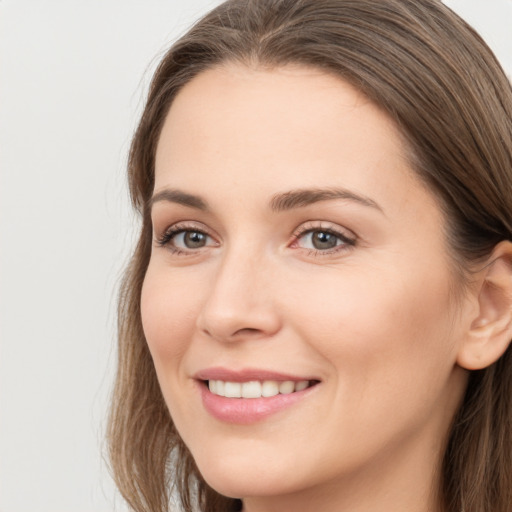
(244, 411)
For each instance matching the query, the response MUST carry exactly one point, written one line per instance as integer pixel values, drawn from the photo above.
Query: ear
(490, 332)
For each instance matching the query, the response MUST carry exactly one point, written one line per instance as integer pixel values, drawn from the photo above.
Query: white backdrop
(73, 75)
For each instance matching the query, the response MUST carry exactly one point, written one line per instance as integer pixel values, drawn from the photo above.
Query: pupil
(194, 239)
(323, 240)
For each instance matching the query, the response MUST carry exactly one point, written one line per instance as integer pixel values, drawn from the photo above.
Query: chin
(234, 481)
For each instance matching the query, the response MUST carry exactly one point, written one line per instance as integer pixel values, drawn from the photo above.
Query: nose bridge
(239, 301)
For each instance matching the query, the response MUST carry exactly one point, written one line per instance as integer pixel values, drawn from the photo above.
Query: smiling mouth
(257, 389)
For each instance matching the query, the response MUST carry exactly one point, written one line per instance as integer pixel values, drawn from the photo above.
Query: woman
(318, 312)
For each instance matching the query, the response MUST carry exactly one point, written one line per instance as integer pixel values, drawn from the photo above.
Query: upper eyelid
(304, 228)
(163, 237)
(309, 226)
(186, 225)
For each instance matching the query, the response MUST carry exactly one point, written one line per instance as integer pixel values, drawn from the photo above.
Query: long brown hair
(453, 104)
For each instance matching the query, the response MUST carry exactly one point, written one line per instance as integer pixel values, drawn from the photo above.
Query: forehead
(279, 129)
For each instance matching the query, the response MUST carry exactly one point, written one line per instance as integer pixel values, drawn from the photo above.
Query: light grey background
(73, 75)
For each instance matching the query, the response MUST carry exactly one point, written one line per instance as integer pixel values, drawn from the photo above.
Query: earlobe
(490, 332)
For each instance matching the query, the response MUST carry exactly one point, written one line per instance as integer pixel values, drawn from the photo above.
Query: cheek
(378, 329)
(389, 352)
(169, 312)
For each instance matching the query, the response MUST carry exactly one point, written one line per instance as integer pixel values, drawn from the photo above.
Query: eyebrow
(305, 197)
(280, 202)
(179, 197)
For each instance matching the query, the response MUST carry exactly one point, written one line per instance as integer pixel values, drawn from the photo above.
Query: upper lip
(246, 375)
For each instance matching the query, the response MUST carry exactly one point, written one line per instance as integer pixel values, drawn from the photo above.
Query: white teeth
(233, 390)
(251, 389)
(269, 388)
(255, 389)
(303, 384)
(286, 387)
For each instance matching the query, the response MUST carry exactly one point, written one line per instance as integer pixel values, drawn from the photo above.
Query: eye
(323, 240)
(183, 239)
(190, 239)
(320, 240)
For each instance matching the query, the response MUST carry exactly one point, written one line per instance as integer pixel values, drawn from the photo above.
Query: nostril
(247, 331)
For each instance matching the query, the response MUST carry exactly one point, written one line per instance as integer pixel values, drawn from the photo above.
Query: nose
(240, 301)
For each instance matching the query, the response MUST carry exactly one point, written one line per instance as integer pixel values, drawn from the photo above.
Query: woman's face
(294, 246)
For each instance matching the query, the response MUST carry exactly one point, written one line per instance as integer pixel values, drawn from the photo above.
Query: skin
(374, 320)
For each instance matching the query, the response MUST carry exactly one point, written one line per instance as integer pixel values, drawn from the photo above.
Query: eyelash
(346, 244)
(167, 236)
